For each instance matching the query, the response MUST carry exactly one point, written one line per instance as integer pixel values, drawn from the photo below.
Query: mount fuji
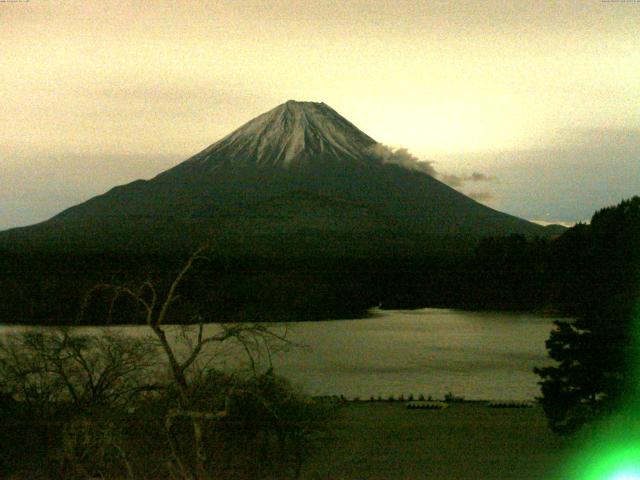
(297, 180)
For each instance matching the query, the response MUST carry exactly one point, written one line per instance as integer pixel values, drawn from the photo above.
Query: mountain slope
(298, 178)
(294, 133)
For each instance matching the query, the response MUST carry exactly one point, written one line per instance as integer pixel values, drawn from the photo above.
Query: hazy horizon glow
(97, 93)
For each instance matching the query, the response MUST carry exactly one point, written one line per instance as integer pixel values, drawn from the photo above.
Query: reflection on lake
(477, 355)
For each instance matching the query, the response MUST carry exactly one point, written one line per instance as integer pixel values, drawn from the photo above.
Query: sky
(531, 107)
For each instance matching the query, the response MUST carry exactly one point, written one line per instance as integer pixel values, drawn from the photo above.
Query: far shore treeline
(557, 274)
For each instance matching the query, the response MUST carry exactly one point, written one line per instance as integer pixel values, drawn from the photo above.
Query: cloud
(480, 177)
(404, 158)
(480, 196)
(458, 180)
(564, 179)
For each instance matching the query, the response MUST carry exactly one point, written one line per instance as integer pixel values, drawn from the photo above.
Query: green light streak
(613, 451)
(616, 462)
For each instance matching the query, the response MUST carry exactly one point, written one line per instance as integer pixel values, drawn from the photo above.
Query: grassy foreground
(467, 440)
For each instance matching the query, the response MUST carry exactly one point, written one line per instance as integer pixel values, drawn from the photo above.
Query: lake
(476, 355)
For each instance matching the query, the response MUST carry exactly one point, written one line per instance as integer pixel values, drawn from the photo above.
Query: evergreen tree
(597, 351)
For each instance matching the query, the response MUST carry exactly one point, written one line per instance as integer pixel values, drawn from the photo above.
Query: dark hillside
(305, 218)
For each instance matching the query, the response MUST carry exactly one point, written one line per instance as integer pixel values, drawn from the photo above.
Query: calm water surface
(477, 355)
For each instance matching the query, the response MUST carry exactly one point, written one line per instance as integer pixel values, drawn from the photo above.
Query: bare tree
(48, 368)
(252, 337)
(74, 385)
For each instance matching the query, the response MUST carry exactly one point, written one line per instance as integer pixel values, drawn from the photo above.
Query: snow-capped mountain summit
(294, 133)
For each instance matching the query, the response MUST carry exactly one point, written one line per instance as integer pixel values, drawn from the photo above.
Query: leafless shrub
(53, 367)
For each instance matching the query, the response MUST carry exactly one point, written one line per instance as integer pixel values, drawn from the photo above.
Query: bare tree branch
(171, 295)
